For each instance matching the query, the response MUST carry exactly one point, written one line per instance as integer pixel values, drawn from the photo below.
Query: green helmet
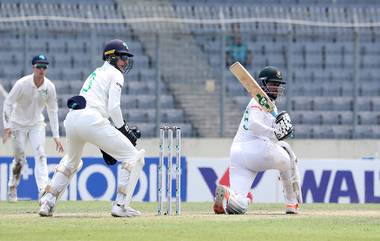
(271, 74)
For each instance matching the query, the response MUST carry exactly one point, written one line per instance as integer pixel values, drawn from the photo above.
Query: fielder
(87, 121)
(23, 121)
(258, 146)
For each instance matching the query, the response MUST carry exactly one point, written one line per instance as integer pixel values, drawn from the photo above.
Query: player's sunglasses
(41, 66)
(125, 57)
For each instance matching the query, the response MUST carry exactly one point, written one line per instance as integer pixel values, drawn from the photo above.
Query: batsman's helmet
(271, 74)
(115, 49)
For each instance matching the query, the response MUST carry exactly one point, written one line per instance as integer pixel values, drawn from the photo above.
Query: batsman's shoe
(12, 194)
(122, 211)
(222, 194)
(292, 208)
(250, 197)
(47, 204)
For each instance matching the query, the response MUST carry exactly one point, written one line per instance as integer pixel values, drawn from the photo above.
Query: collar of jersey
(42, 86)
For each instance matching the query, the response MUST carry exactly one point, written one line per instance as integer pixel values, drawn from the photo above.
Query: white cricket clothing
(102, 91)
(255, 124)
(88, 125)
(22, 112)
(255, 149)
(36, 136)
(25, 102)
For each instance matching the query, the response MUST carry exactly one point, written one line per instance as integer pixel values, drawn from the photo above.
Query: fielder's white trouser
(88, 125)
(248, 158)
(36, 136)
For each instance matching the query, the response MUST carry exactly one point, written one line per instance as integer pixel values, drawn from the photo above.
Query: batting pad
(295, 176)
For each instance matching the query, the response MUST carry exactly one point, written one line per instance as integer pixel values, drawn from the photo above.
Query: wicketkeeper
(258, 146)
(87, 121)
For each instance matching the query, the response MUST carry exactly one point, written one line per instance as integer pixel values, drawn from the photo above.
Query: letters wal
(340, 185)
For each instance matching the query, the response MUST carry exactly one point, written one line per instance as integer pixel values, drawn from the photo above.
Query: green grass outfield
(92, 221)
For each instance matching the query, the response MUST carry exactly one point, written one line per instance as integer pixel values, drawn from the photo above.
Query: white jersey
(255, 148)
(102, 91)
(24, 104)
(255, 124)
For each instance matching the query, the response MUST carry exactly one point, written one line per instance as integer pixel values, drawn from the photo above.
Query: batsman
(258, 146)
(88, 121)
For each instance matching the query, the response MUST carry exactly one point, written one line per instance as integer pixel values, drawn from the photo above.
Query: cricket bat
(253, 88)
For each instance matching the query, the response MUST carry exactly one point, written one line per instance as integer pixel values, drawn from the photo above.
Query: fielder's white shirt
(24, 104)
(255, 124)
(102, 91)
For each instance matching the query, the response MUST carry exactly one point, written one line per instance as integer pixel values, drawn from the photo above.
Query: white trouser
(36, 136)
(248, 158)
(89, 125)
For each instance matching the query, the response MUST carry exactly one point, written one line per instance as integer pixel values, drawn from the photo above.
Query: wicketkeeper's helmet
(271, 74)
(115, 49)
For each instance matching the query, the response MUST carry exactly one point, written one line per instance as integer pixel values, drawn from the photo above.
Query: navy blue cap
(77, 102)
(40, 59)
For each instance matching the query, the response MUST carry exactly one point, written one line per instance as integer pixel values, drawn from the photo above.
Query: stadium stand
(322, 78)
(73, 55)
(318, 62)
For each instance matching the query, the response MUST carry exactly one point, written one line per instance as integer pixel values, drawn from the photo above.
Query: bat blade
(253, 88)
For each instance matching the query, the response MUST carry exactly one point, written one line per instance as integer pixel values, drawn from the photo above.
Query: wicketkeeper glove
(132, 133)
(284, 126)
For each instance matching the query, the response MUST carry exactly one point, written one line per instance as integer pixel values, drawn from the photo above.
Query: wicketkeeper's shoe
(132, 211)
(41, 194)
(222, 194)
(12, 194)
(292, 208)
(122, 211)
(47, 204)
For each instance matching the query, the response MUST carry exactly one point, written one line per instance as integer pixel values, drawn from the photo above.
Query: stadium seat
(301, 103)
(128, 101)
(375, 103)
(322, 103)
(368, 118)
(172, 115)
(146, 101)
(365, 132)
(323, 132)
(330, 118)
(303, 131)
(311, 118)
(342, 132)
(342, 104)
(346, 117)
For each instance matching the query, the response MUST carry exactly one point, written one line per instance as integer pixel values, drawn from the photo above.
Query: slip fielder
(23, 121)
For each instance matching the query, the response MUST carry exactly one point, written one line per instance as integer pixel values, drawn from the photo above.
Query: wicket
(169, 172)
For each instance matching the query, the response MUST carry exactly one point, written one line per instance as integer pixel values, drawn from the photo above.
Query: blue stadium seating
(320, 59)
